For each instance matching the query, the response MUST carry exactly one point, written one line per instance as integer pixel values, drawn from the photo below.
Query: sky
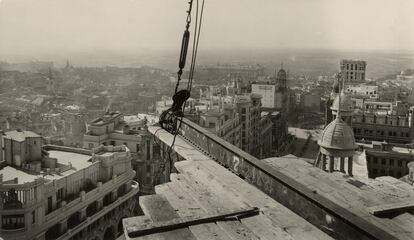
(30, 27)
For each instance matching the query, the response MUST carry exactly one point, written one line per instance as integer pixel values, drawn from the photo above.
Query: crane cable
(168, 119)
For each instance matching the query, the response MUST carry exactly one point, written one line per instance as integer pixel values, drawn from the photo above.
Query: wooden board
(251, 195)
(181, 201)
(392, 208)
(157, 208)
(265, 229)
(237, 231)
(210, 202)
(208, 231)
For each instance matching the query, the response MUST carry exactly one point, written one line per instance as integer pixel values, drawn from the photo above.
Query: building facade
(353, 70)
(54, 192)
(115, 129)
(384, 159)
(224, 122)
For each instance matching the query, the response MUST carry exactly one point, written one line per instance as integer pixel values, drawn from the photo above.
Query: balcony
(84, 199)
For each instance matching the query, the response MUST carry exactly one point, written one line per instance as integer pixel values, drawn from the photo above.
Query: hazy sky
(48, 26)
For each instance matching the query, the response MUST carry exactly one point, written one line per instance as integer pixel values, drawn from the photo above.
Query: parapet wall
(333, 219)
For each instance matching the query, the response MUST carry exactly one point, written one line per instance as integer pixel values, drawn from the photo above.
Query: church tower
(282, 92)
(50, 82)
(337, 144)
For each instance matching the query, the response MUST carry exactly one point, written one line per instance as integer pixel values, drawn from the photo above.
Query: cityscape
(260, 141)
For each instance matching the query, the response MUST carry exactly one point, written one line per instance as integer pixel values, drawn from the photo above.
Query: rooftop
(360, 196)
(19, 136)
(212, 203)
(68, 162)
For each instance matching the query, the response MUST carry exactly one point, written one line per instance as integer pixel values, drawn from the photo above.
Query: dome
(346, 103)
(337, 135)
(281, 74)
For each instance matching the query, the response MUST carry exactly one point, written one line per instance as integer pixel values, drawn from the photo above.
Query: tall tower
(50, 82)
(281, 79)
(282, 94)
(337, 145)
(353, 70)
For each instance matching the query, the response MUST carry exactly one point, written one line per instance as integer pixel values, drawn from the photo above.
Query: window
(137, 147)
(49, 204)
(12, 221)
(148, 150)
(375, 160)
(399, 163)
(391, 173)
(113, 143)
(33, 217)
(383, 161)
(59, 194)
(375, 171)
(391, 162)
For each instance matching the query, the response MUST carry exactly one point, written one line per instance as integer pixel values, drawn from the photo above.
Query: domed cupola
(338, 136)
(337, 142)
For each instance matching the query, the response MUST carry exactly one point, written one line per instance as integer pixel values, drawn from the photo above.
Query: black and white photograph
(206, 120)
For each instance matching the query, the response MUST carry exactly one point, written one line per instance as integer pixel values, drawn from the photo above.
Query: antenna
(339, 95)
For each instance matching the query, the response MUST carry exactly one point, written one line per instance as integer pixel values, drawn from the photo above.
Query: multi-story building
(224, 122)
(54, 192)
(115, 129)
(363, 91)
(353, 70)
(248, 107)
(384, 159)
(275, 94)
(377, 121)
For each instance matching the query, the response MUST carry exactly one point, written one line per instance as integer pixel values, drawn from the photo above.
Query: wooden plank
(214, 184)
(253, 196)
(290, 226)
(391, 208)
(406, 220)
(230, 182)
(182, 202)
(157, 208)
(237, 231)
(209, 201)
(263, 228)
(208, 231)
(187, 206)
(180, 223)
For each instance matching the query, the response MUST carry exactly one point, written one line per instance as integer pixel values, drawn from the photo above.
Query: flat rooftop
(64, 159)
(9, 173)
(19, 136)
(78, 161)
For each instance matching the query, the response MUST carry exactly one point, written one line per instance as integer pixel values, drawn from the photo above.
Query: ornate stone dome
(346, 103)
(337, 135)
